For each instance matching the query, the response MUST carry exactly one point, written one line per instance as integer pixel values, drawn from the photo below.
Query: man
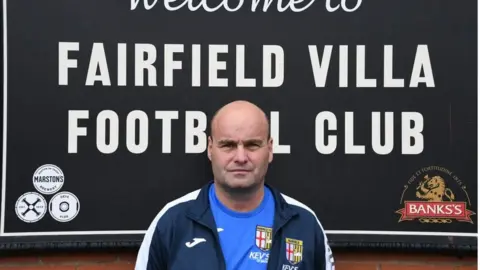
(237, 221)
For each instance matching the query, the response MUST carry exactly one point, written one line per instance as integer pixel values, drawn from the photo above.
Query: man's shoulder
(304, 211)
(172, 209)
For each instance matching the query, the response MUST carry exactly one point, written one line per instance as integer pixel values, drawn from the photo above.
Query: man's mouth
(239, 171)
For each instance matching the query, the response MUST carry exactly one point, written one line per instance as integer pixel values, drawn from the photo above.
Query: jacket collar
(200, 210)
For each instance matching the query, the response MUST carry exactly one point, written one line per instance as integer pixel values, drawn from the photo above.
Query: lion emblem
(434, 189)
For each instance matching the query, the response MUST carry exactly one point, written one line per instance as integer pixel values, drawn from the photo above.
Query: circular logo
(48, 179)
(64, 206)
(31, 207)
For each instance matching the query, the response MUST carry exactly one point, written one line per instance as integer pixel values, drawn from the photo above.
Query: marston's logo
(438, 202)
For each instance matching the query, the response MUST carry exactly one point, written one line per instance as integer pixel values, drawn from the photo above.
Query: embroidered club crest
(294, 250)
(263, 238)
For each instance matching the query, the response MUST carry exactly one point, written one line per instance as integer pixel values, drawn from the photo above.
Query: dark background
(123, 191)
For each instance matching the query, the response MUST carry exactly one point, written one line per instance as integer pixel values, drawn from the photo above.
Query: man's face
(240, 151)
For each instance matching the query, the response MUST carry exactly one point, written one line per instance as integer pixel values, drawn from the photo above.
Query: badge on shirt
(263, 238)
(294, 250)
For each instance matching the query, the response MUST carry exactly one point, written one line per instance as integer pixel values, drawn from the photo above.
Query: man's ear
(209, 148)
(270, 149)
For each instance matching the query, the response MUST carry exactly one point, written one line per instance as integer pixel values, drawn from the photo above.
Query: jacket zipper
(271, 266)
(221, 258)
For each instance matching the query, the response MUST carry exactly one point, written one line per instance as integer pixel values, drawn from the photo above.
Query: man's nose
(241, 155)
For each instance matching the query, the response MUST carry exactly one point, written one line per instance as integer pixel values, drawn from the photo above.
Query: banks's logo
(294, 250)
(439, 196)
(263, 238)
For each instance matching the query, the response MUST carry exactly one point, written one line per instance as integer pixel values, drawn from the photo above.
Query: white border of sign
(4, 173)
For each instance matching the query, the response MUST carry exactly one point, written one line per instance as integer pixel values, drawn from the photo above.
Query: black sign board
(372, 104)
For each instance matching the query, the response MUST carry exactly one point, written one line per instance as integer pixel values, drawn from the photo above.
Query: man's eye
(253, 145)
(228, 145)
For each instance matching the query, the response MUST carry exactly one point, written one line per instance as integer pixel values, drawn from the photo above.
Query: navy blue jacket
(170, 241)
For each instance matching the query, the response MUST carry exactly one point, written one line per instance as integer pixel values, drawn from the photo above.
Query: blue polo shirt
(245, 237)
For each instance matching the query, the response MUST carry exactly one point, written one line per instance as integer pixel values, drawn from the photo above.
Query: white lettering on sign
(195, 128)
(174, 55)
(64, 61)
(74, 131)
(329, 145)
(387, 133)
(326, 133)
(222, 73)
(170, 63)
(144, 64)
(425, 209)
(409, 132)
(133, 118)
(320, 68)
(282, 6)
(97, 67)
(139, 127)
(275, 134)
(166, 117)
(107, 119)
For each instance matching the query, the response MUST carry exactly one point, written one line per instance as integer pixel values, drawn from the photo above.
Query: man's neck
(240, 202)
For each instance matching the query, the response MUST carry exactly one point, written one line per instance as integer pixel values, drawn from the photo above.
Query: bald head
(240, 149)
(241, 113)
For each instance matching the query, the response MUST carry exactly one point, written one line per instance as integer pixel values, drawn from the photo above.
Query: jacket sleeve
(152, 254)
(323, 254)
